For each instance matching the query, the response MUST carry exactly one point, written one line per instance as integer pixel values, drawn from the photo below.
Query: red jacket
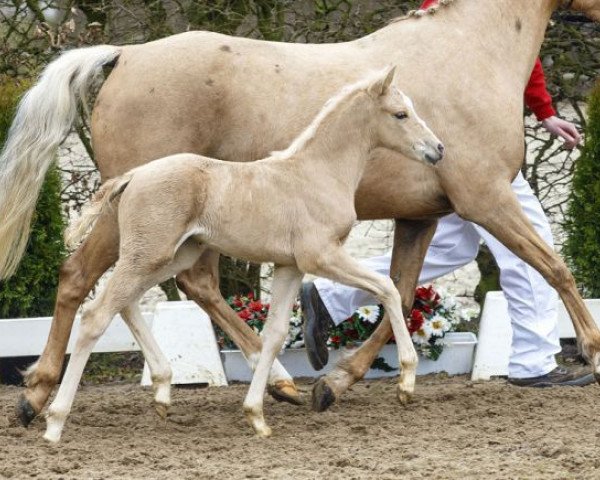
(537, 97)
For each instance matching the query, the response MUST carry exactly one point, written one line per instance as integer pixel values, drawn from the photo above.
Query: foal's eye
(401, 115)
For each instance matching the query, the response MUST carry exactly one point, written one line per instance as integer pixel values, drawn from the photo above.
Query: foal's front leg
(286, 283)
(336, 264)
(411, 241)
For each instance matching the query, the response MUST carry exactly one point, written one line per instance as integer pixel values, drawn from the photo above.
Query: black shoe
(559, 377)
(315, 326)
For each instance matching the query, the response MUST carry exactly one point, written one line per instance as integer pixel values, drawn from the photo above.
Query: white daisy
(420, 337)
(369, 314)
(438, 325)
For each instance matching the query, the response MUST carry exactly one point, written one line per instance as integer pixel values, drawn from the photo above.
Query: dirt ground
(454, 429)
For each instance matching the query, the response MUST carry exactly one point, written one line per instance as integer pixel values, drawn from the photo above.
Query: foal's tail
(100, 203)
(44, 118)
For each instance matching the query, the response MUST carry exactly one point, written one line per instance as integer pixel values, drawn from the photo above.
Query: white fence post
(495, 334)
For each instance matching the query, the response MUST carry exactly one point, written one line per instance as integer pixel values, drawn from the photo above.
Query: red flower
(255, 306)
(421, 293)
(244, 314)
(427, 309)
(335, 339)
(351, 333)
(237, 302)
(416, 321)
(250, 296)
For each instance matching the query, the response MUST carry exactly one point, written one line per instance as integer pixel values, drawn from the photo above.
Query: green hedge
(582, 226)
(32, 290)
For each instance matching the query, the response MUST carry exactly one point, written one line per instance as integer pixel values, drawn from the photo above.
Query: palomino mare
(238, 99)
(172, 209)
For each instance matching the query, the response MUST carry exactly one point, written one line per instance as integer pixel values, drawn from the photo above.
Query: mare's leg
(505, 220)
(201, 284)
(286, 282)
(335, 263)
(78, 275)
(411, 240)
(160, 370)
(134, 274)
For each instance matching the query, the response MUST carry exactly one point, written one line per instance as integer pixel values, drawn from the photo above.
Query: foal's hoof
(403, 397)
(285, 391)
(263, 432)
(25, 411)
(162, 410)
(322, 396)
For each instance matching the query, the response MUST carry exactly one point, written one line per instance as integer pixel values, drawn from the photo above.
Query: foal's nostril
(440, 148)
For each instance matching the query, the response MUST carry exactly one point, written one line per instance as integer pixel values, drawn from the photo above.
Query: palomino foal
(294, 208)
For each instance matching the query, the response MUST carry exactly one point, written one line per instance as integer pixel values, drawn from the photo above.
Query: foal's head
(397, 125)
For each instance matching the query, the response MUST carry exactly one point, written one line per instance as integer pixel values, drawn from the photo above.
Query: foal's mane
(330, 106)
(422, 12)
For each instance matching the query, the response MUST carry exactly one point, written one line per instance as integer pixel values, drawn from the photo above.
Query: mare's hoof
(322, 396)
(25, 411)
(162, 410)
(285, 391)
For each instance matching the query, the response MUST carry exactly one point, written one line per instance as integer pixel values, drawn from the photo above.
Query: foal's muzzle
(434, 155)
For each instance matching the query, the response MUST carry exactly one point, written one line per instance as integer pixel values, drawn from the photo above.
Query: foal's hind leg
(411, 241)
(78, 275)
(201, 284)
(160, 370)
(505, 220)
(134, 274)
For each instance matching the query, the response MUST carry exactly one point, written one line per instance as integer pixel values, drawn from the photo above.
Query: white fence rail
(182, 330)
(185, 334)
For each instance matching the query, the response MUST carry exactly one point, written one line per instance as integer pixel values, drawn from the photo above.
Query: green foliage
(32, 290)
(582, 248)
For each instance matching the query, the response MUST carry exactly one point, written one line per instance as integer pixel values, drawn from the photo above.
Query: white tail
(43, 120)
(100, 203)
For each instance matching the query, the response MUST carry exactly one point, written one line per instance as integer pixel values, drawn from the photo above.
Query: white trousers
(531, 301)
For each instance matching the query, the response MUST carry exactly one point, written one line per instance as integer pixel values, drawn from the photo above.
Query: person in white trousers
(531, 301)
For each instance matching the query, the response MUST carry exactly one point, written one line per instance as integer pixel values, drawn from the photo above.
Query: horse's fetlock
(163, 376)
(356, 370)
(252, 410)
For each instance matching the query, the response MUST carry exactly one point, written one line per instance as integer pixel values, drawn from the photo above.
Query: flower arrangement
(254, 313)
(432, 316)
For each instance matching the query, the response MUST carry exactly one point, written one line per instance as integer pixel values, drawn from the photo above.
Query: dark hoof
(25, 411)
(322, 396)
(282, 396)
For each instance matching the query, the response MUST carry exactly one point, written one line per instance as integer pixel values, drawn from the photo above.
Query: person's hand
(563, 129)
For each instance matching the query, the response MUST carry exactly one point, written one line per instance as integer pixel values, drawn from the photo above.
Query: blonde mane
(422, 12)
(330, 106)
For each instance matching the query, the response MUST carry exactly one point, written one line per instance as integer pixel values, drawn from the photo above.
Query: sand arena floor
(453, 429)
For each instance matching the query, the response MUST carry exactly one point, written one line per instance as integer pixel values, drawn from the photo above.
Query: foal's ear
(381, 85)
